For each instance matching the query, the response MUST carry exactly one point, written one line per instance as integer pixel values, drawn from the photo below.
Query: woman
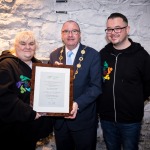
(20, 125)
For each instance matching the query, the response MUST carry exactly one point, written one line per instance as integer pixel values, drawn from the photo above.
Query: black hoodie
(17, 117)
(126, 83)
(15, 78)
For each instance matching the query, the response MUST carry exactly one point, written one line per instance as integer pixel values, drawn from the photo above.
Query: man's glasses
(74, 32)
(116, 30)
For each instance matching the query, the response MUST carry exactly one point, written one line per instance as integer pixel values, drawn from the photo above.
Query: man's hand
(58, 63)
(73, 111)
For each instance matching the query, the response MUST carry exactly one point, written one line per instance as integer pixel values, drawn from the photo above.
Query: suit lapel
(63, 55)
(76, 61)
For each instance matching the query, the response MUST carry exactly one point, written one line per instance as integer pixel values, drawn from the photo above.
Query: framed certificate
(52, 89)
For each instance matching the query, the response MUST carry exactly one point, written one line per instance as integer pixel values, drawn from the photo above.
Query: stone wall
(45, 19)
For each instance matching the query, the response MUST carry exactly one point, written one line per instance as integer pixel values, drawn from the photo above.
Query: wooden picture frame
(52, 89)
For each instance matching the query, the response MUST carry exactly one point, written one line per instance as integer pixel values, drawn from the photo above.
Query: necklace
(80, 59)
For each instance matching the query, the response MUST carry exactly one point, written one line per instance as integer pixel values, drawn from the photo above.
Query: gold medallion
(60, 58)
(81, 58)
(76, 72)
(83, 51)
(78, 65)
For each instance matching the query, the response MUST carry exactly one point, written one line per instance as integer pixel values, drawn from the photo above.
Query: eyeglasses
(116, 30)
(74, 32)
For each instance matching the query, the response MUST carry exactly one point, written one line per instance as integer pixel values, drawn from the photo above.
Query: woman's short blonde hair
(24, 36)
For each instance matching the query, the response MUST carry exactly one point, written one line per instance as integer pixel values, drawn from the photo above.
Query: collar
(74, 50)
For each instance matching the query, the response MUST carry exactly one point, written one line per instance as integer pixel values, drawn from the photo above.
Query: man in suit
(79, 130)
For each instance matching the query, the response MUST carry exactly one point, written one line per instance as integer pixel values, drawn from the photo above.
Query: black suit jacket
(86, 86)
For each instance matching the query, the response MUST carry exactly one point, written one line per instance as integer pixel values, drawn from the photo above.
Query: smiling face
(121, 38)
(70, 34)
(25, 46)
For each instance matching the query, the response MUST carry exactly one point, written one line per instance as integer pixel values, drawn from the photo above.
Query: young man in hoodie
(126, 85)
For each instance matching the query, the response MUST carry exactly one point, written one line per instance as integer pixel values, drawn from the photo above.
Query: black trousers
(76, 140)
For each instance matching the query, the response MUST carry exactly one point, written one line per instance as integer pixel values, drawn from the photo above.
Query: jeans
(119, 136)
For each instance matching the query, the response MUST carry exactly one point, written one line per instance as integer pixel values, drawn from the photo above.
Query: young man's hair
(116, 15)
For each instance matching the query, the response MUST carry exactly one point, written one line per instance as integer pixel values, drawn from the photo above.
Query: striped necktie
(69, 60)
